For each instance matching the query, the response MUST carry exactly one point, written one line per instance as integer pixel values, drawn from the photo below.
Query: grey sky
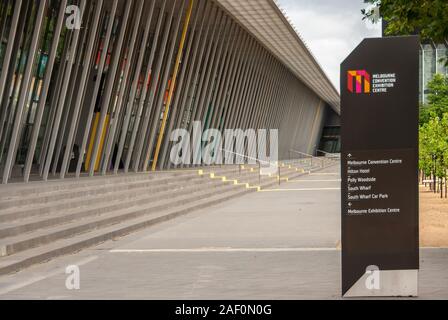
(331, 29)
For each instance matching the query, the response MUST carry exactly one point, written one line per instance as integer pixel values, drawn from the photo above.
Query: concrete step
(17, 190)
(101, 206)
(12, 245)
(85, 198)
(48, 194)
(110, 194)
(78, 242)
(69, 231)
(20, 228)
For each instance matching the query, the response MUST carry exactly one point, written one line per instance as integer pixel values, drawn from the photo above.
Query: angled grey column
(74, 87)
(250, 103)
(247, 82)
(16, 79)
(208, 78)
(3, 17)
(130, 53)
(218, 77)
(147, 74)
(257, 94)
(240, 86)
(265, 82)
(294, 142)
(206, 69)
(7, 60)
(199, 67)
(193, 67)
(205, 109)
(138, 70)
(226, 95)
(231, 89)
(80, 95)
(54, 101)
(7, 103)
(213, 61)
(153, 133)
(279, 103)
(44, 93)
(273, 73)
(155, 83)
(111, 73)
(61, 102)
(231, 63)
(152, 136)
(223, 71)
(95, 91)
(274, 109)
(252, 82)
(288, 125)
(196, 65)
(181, 86)
(151, 104)
(24, 92)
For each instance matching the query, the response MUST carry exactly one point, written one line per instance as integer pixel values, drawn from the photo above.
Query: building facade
(432, 61)
(93, 87)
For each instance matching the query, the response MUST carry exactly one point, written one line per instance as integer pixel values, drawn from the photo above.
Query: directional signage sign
(379, 118)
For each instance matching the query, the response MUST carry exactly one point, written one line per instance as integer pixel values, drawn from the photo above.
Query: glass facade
(331, 139)
(432, 61)
(103, 97)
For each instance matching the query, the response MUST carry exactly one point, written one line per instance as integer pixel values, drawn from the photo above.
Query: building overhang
(265, 21)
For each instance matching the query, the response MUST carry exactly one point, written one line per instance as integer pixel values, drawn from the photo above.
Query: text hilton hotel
(103, 98)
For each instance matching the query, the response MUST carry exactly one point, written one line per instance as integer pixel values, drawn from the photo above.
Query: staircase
(40, 221)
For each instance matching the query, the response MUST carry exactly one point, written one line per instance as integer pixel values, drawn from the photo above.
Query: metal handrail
(302, 153)
(259, 161)
(312, 158)
(330, 155)
(306, 155)
(246, 157)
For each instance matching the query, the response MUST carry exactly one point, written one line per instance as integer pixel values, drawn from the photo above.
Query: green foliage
(425, 114)
(437, 103)
(427, 17)
(434, 146)
(438, 94)
(434, 129)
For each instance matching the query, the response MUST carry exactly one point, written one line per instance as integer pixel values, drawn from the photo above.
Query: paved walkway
(278, 244)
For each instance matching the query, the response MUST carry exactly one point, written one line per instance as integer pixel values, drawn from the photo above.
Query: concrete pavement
(277, 244)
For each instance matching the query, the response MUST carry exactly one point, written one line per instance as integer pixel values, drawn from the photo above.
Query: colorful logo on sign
(355, 80)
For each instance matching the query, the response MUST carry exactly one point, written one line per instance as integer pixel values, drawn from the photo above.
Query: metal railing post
(279, 175)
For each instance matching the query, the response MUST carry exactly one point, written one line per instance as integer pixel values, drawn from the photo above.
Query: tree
(434, 132)
(428, 18)
(437, 104)
(438, 94)
(434, 147)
